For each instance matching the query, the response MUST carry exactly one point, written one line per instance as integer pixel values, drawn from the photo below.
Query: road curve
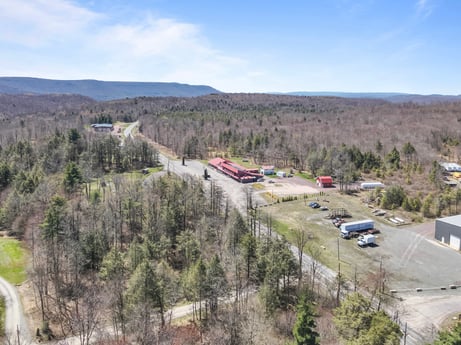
(15, 320)
(127, 131)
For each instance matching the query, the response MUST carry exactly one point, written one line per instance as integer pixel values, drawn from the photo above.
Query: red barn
(324, 181)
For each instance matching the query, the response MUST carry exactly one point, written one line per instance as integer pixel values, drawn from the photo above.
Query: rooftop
(453, 220)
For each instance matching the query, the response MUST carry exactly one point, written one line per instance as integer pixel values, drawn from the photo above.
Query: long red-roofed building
(237, 172)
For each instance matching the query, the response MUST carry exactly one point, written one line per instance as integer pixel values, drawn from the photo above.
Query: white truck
(366, 240)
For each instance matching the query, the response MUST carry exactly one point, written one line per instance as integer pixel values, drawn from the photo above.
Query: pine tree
(72, 177)
(304, 328)
(450, 337)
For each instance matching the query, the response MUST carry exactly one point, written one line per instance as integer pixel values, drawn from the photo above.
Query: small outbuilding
(324, 181)
(281, 173)
(448, 231)
(451, 167)
(371, 185)
(267, 170)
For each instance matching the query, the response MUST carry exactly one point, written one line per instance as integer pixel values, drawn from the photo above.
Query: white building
(451, 167)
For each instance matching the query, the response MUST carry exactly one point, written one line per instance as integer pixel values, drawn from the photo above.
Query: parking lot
(408, 253)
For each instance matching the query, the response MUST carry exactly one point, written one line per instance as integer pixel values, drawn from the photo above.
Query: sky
(410, 46)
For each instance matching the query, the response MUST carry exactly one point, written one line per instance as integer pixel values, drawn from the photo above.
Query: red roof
(325, 179)
(216, 161)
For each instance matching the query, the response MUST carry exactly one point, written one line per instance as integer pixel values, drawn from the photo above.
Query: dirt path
(15, 325)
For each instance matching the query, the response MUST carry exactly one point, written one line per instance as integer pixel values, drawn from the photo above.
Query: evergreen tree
(248, 246)
(353, 316)
(72, 177)
(393, 158)
(216, 283)
(393, 198)
(6, 175)
(304, 328)
(382, 331)
(450, 337)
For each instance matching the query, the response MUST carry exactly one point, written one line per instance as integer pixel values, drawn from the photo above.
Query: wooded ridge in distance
(100, 90)
(111, 90)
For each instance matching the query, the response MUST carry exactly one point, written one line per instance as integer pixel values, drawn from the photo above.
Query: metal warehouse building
(448, 231)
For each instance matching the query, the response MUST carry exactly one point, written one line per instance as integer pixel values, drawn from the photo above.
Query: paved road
(127, 131)
(15, 320)
(236, 192)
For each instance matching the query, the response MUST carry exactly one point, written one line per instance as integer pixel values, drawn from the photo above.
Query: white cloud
(424, 8)
(72, 42)
(37, 22)
(151, 38)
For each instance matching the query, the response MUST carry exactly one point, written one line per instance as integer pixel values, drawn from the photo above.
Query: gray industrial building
(448, 231)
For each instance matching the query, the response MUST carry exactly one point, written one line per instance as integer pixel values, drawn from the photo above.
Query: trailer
(357, 226)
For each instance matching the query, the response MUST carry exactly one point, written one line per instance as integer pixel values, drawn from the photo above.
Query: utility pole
(355, 279)
(338, 291)
(17, 331)
(338, 250)
(405, 335)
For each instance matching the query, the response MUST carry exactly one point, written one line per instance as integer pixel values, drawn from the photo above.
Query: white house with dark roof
(103, 127)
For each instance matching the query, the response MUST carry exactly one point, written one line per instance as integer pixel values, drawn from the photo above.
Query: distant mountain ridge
(112, 90)
(101, 90)
(394, 97)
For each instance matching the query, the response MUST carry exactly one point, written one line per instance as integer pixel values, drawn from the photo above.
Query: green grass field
(13, 260)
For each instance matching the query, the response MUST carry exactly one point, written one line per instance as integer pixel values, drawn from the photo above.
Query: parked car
(314, 204)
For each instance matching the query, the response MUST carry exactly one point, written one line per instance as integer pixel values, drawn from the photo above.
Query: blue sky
(239, 46)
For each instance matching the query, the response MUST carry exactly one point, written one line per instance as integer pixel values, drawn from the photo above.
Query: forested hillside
(399, 144)
(396, 143)
(100, 90)
(115, 248)
(287, 129)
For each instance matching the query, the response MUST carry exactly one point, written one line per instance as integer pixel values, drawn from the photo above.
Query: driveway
(15, 325)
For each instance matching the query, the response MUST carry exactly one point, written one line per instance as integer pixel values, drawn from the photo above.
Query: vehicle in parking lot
(366, 240)
(357, 226)
(314, 204)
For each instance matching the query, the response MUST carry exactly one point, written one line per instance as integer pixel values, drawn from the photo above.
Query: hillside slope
(100, 90)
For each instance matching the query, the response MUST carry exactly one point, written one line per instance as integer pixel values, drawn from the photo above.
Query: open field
(12, 260)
